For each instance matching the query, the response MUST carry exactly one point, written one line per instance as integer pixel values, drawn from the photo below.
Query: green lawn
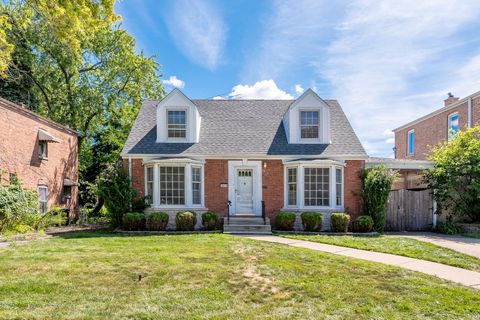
(400, 246)
(471, 235)
(96, 276)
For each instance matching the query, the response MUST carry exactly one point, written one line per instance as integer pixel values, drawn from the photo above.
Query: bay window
(315, 184)
(316, 181)
(174, 183)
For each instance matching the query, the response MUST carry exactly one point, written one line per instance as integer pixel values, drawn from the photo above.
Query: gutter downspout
(469, 113)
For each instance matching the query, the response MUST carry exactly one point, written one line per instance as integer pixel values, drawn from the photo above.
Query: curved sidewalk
(462, 276)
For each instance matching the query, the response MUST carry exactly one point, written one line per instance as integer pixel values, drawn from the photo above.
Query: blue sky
(387, 62)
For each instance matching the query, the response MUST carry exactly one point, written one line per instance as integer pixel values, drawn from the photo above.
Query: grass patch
(104, 276)
(471, 235)
(399, 246)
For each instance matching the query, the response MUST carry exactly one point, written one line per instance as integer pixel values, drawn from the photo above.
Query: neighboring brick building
(41, 153)
(295, 155)
(415, 139)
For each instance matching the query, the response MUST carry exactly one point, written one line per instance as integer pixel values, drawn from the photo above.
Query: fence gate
(409, 210)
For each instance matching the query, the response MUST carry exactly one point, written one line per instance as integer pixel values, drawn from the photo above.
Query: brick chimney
(451, 99)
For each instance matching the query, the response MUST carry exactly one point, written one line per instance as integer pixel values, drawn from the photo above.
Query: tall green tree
(72, 62)
(455, 177)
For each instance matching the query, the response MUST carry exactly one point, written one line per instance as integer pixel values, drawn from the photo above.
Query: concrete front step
(245, 221)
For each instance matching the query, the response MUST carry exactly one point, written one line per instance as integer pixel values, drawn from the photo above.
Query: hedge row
(158, 221)
(312, 221)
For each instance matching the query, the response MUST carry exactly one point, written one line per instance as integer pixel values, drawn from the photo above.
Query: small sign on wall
(223, 185)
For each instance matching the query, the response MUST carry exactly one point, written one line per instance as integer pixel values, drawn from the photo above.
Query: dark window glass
(172, 185)
(316, 187)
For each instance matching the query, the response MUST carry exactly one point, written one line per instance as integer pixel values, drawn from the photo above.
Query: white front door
(244, 191)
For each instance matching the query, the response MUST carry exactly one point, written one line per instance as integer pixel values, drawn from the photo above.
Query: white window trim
(408, 142)
(187, 164)
(187, 129)
(309, 140)
(287, 205)
(449, 124)
(300, 185)
(342, 199)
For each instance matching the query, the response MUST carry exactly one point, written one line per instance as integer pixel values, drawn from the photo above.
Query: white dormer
(307, 120)
(178, 119)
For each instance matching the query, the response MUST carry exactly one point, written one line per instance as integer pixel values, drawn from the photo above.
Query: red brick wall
(216, 173)
(216, 197)
(353, 187)
(272, 180)
(19, 154)
(138, 175)
(432, 131)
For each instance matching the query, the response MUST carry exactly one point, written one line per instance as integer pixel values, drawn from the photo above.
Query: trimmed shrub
(377, 183)
(157, 221)
(364, 224)
(186, 220)
(285, 221)
(134, 221)
(339, 222)
(209, 220)
(312, 221)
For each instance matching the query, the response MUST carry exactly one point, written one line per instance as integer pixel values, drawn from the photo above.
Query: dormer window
(309, 124)
(177, 124)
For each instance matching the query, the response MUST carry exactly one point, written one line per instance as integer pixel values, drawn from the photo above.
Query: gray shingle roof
(241, 127)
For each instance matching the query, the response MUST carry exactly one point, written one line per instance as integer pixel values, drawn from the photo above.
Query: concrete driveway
(470, 246)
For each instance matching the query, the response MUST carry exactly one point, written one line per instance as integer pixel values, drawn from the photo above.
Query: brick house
(235, 155)
(415, 139)
(41, 153)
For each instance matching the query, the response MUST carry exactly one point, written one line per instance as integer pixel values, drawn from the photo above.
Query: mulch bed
(355, 234)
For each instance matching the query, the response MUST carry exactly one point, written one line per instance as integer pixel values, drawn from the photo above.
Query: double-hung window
(172, 185)
(43, 149)
(309, 124)
(292, 186)
(149, 189)
(43, 198)
(338, 187)
(411, 142)
(177, 124)
(452, 126)
(316, 187)
(196, 185)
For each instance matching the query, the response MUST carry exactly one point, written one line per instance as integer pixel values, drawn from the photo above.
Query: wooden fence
(409, 210)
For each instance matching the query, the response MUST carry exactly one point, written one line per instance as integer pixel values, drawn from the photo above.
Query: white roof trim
(172, 160)
(314, 161)
(436, 112)
(241, 156)
(401, 164)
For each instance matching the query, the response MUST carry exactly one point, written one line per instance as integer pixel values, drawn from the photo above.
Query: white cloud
(218, 98)
(198, 30)
(265, 89)
(299, 89)
(386, 62)
(174, 82)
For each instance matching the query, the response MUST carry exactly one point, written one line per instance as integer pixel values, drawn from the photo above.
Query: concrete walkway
(465, 277)
(469, 246)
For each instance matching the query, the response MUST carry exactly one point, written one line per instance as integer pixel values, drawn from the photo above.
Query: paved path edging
(462, 276)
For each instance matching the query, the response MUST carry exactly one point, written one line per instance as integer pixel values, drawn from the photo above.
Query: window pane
(411, 142)
(177, 124)
(339, 187)
(309, 124)
(196, 185)
(292, 186)
(172, 185)
(452, 125)
(316, 187)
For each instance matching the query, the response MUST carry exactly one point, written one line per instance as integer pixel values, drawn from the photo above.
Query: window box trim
(449, 125)
(412, 131)
(188, 194)
(299, 129)
(187, 128)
